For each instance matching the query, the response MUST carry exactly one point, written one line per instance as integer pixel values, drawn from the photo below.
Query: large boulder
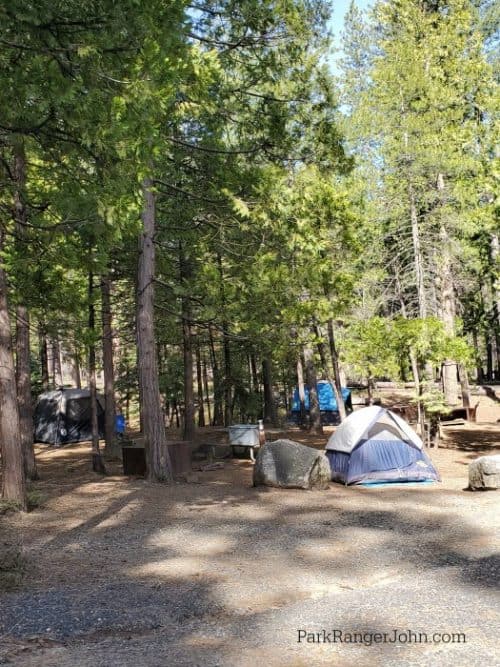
(290, 465)
(484, 473)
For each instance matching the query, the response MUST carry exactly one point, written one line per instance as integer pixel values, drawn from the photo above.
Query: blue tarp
(381, 461)
(326, 397)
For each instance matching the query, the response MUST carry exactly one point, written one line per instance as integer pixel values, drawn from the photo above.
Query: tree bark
(255, 376)
(24, 397)
(187, 346)
(23, 356)
(77, 376)
(336, 371)
(157, 455)
(97, 462)
(218, 419)
(13, 477)
(301, 390)
(206, 388)
(417, 255)
(226, 348)
(44, 356)
(312, 383)
(110, 447)
(269, 403)
(199, 385)
(56, 363)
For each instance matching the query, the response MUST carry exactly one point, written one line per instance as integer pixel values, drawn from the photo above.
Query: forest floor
(121, 572)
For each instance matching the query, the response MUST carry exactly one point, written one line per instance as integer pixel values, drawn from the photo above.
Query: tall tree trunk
(465, 388)
(44, 356)
(337, 375)
(255, 376)
(267, 380)
(97, 462)
(312, 383)
(199, 385)
(414, 362)
(206, 388)
(450, 369)
(218, 419)
(110, 447)
(23, 356)
(226, 348)
(302, 390)
(157, 455)
(25, 401)
(187, 346)
(479, 365)
(13, 478)
(417, 255)
(77, 376)
(56, 363)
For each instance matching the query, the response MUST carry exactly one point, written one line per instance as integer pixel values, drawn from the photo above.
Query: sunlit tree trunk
(13, 477)
(110, 447)
(97, 462)
(267, 381)
(157, 454)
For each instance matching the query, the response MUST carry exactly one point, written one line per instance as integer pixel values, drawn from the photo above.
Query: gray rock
(484, 473)
(287, 464)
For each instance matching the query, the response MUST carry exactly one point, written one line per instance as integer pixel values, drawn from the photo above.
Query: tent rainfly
(327, 402)
(63, 416)
(375, 445)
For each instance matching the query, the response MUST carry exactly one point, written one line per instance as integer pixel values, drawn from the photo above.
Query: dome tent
(63, 416)
(375, 445)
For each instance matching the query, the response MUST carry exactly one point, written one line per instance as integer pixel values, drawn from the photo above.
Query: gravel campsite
(218, 573)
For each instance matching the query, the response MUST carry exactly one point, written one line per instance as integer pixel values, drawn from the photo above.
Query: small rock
(484, 473)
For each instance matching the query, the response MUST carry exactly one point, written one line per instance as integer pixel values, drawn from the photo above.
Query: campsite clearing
(122, 572)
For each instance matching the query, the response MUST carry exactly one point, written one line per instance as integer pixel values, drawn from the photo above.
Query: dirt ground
(121, 572)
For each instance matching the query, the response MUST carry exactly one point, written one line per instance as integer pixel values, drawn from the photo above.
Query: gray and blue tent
(63, 416)
(327, 402)
(373, 445)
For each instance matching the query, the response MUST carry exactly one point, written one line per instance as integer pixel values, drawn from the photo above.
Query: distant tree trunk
(414, 362)
(44, 356)
(314, 410)
(187, 346)
(479, 365)
(417, 254)
(23, 356)
(331, 378)
(110, 447)
(56, 363)
(218, 419)
(450, 383)
(269, 403)
(465, 388)
(97, 462)
(337, 375)
(207, 392)
(157, 455)
(77, 376)
(199, 384)
(13, 478)
(301, 390)
(489, 356)
(255, 376)
(226, 350)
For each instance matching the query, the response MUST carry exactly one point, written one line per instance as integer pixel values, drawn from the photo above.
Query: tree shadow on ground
(195, 574)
